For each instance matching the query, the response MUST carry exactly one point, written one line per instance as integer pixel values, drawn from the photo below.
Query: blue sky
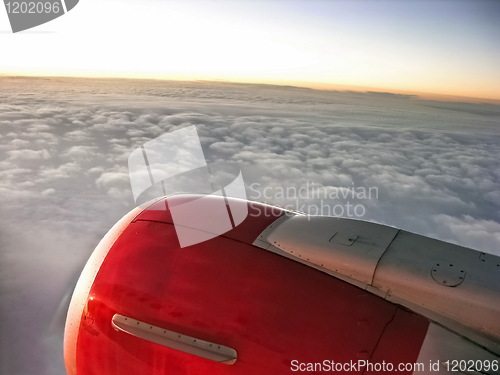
(441, 47)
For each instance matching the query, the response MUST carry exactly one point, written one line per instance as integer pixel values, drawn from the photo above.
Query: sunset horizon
(439, 48)
(438, 96)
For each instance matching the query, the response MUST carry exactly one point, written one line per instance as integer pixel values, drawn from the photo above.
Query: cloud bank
(64, 145)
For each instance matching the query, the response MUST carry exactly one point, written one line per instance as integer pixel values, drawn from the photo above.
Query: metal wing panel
(349, 247)
(407, 273)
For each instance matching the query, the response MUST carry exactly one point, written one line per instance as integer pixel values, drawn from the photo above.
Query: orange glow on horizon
(442, 95)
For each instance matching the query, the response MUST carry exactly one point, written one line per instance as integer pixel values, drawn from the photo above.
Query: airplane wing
(280, 293)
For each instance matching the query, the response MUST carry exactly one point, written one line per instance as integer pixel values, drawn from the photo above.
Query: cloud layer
(64, 146)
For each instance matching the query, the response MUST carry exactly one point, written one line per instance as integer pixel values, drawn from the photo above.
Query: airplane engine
(277, 294)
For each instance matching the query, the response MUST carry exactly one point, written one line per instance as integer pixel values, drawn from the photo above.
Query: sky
(438, 47)
(65, 143)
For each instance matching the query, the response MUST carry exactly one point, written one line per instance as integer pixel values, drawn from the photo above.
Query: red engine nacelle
(144, 305)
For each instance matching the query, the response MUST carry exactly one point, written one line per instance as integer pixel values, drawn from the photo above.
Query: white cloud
(468, 231)
(63, 171)
(19, 143)
(80, 151)
(113, 180)
(49, 191)
(27, 154)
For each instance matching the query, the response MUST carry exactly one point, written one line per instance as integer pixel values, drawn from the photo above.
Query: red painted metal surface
(259, 217)
(272, 310)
